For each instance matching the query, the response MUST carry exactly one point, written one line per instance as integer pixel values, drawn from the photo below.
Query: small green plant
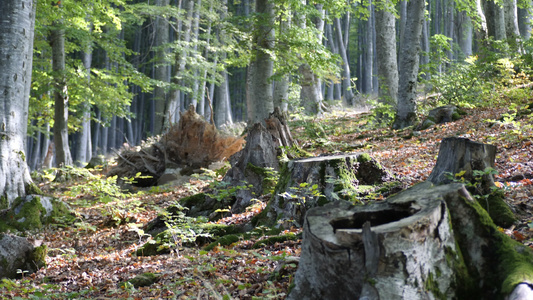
(181, 230)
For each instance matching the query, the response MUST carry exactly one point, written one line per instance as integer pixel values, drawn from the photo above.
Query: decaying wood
(463, 156)
(260, 153)
(418, 254)
(386, 250)
(193, 143)
(331, 174)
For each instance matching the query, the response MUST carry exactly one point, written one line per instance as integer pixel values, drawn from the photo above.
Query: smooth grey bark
(386, 54)
(281, 86)
(176, 103)
(222, 92)
(401, 22)
(83, 149)
(511, 24)
(524, 23)
(408, 67)
(161, 32)
(348, 95)
(16, 57)
(195, 29)
(482, 32)
(259, 95)
(310, 94)
(222, 101)
(369, 53)
(203, 86)
(57, 42)
(464, 34)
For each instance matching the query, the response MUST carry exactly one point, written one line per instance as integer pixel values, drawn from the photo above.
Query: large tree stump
(315, 181)
(473, 160)
(250, 165)
(399, 249)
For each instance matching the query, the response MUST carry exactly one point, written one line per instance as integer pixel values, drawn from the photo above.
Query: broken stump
(475, 162)
(251, 165)
(402, 248)
(315, 181)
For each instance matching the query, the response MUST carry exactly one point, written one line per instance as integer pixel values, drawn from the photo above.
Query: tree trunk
(83, 144)
(16, 48)
(386, 54)
(511, 24)
(346, 75)
(408, 67)
(403, 248)
(259, 97)
(57, 42)
(369, 53)
(161, 70)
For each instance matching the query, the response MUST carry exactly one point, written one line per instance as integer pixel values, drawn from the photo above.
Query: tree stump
(250, 165)
(402, 248)
(474, 161)
(315, 181)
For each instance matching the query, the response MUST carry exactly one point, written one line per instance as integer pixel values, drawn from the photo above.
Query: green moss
(268, 182)
(32, 189)
(145, 279)
(195, 199)
(39, 256)
(30, 215)
(364, 157)
(432, 285)
(456, 116)
(510, 262)
(223, 241)
(275, 239)
(4, 204)
(498, 210)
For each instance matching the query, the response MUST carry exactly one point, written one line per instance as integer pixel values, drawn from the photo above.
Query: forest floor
(90, 258)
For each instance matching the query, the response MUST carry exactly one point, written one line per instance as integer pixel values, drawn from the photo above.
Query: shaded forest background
(131, 67)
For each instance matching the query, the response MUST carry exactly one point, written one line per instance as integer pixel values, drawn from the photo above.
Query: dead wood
(250, 166)
(191, 144)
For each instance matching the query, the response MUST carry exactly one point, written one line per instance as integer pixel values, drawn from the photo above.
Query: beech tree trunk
(161, 71)
(386, 53)
(16, 48)
(57, 42)
(259, 95)
(408, 65)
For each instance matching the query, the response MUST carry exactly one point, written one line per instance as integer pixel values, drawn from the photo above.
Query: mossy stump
(461, 159)
(402, 248)
(315, 181)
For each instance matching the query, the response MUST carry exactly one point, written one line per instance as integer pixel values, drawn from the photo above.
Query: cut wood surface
(315, 181)
(387, 250)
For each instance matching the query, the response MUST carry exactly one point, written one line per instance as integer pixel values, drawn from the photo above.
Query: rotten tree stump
(315, 181)
(250, 165)
(474, 161)
(386, 250)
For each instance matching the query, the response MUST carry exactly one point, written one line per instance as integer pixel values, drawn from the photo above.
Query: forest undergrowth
(93, 256)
